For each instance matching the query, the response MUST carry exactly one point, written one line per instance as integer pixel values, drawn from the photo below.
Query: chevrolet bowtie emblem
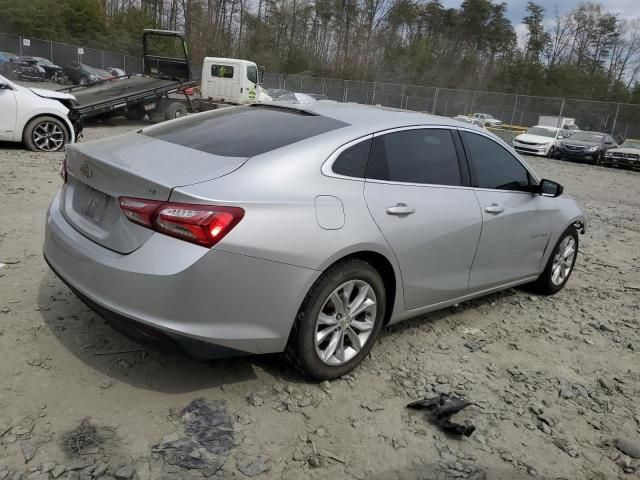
(85, 170)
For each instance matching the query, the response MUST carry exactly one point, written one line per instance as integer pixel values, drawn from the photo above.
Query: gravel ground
(554, 381)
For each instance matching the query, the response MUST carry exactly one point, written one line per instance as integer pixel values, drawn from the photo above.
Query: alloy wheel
(563, 260)
(345, 322)
(48, 136)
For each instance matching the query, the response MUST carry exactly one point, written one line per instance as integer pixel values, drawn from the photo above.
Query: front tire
(560, 264)
(45, 134)
(338, 321)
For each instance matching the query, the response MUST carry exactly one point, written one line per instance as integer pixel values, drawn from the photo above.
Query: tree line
(586, 52)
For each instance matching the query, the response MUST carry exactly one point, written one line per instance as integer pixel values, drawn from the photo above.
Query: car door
(415, 190)
(8, 109)
(516, 224)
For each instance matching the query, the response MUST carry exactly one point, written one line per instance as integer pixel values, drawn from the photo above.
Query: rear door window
(244, 131)
(352, 162)
(415, 156)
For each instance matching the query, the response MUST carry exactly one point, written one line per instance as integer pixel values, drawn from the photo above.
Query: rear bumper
(191, 294)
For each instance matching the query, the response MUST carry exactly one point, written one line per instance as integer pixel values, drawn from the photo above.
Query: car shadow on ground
(97, 344)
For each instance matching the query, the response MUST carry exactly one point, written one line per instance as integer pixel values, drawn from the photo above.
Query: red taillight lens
(205, 225)
(139, 210)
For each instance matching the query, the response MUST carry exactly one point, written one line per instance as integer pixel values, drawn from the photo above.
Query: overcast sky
(516, 8)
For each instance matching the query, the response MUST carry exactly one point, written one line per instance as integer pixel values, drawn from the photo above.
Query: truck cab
(231, 80)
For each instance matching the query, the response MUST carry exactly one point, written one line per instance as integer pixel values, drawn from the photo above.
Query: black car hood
(582, 143)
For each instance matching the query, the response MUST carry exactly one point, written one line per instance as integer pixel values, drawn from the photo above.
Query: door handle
(400, 209)
(494, 208)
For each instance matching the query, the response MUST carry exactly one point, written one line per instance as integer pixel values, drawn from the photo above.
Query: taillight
(63, 169)
(205, 225)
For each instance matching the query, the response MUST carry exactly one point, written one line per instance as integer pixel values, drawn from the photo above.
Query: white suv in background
(39, 118)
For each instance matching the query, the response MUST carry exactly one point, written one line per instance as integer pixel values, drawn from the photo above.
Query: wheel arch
(384, 266)
(57, 116)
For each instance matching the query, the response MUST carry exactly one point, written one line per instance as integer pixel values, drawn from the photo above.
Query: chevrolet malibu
(301, 228)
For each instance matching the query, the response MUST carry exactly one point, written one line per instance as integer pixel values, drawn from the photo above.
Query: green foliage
(586, 53)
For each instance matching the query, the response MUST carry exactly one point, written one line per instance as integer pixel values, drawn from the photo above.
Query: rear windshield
(244, 131)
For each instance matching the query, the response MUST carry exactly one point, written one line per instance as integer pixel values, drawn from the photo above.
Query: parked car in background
(468, 119)
(277, 92)
(52, 72)
(487, 120)
(294, 97)
(626, 155)
(390, 215)
(116, 72)
(39, 118)
(540, 140)
(25, 69)
(586, 146)
(81, 74)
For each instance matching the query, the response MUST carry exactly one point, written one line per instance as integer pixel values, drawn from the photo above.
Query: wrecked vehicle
(301, 228)
(42, 119)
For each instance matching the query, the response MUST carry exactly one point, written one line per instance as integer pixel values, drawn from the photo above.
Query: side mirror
(260, 75)
(549, 188)
(560, 136)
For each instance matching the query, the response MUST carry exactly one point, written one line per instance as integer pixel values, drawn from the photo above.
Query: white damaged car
(540, 140)
(44, 120)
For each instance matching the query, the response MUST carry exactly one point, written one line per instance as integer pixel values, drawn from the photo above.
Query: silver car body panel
(300, 218)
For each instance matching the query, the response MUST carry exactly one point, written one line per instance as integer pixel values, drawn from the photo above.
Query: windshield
(244, 131)
(542, 132)
(588, 137)
(43, 61)
(95, 71)
(631, 144)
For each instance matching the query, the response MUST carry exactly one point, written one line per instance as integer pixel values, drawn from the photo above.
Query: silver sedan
(301, 228)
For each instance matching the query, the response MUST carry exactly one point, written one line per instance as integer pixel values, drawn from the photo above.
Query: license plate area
(93, 204)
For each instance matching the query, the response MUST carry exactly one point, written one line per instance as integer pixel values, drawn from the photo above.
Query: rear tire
(324, 320)
(45, 134)
(175, 110)
(559, 266)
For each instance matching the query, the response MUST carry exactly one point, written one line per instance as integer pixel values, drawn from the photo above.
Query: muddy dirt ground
(555, 381)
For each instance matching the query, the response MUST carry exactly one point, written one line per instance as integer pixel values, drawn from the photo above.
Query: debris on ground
(443, 407)
(78, 439)
(207, 440)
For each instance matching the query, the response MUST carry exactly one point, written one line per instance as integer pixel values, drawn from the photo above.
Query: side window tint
(494, 166)
(353, 161)
(415, 156)
(222, 71)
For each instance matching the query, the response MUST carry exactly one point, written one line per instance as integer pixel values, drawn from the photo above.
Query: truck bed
(109, 96)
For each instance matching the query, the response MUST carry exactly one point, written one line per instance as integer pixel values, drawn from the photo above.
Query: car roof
(358, 114)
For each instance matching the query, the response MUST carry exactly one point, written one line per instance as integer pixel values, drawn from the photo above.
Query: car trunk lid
(133, 165)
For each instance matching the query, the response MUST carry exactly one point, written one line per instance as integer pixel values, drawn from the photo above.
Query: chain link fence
(518, 111)
(62, 53)
(620, 119)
